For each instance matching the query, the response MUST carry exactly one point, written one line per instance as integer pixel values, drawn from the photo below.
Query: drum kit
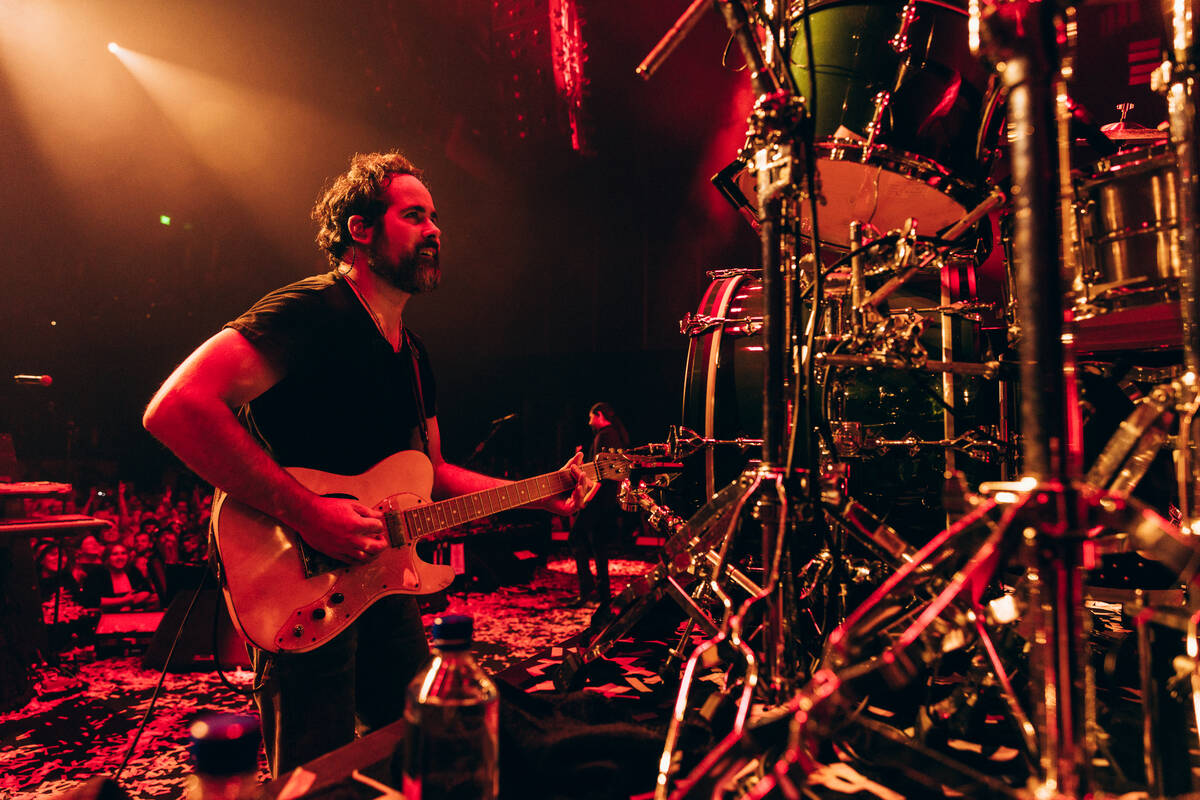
(960, 272)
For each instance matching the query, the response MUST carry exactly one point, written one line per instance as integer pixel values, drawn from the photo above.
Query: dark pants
(309, 701)
(591, 538)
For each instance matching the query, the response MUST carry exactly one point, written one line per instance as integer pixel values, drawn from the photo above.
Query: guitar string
(431, 511)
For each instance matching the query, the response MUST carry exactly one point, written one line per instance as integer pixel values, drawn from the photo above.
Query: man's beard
(413, 274)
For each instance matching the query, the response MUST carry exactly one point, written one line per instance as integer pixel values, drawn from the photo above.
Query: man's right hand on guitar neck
(343, 529)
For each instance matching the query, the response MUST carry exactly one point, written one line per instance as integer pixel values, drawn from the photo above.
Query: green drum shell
(938, 89)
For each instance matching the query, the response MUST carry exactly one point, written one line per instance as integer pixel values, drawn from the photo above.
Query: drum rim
(1106, 170)
(794, 13)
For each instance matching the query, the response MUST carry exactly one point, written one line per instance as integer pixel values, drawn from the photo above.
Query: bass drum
(723, 400)
(936, 116)
(723, 378)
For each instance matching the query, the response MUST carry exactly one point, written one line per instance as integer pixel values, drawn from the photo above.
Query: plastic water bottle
(224, 751)
(451, 748)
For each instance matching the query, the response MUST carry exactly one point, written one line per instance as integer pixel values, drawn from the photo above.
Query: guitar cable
(162, 677)
(254, 687)
(167, 663)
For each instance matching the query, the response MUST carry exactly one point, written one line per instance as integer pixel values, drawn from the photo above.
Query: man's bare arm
(193, 414)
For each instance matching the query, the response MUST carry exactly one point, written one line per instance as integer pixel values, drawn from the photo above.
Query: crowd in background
(152, 543)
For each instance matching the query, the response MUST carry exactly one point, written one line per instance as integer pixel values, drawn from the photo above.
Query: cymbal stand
(1181, 74)
(765, 496)
(1019, 38)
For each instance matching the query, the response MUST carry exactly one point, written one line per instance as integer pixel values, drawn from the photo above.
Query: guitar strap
(418, 394)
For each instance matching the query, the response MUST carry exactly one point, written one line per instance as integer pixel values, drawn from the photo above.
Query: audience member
(90, 553)
(56, 572)
(143, 543)
(118, 586)
(192, 548)
(166, 552)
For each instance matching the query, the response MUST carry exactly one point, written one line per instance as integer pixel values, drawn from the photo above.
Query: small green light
(164, 219)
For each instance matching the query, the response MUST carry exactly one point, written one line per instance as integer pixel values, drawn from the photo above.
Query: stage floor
(55, 743)
(575, 745)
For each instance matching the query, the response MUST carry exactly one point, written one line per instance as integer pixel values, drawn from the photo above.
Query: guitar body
(284, 596)
(288, 598)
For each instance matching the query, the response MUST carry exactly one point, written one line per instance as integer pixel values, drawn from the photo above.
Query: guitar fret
(429, 517)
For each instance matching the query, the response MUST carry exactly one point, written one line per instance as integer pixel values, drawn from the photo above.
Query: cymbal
(1131, 132)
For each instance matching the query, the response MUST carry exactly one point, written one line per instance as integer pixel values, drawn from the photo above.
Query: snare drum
(1131, 219)
(929, 158)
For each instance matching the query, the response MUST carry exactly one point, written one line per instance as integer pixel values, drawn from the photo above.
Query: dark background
(565, 273)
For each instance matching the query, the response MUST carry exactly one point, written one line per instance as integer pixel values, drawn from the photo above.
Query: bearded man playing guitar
(320, 380)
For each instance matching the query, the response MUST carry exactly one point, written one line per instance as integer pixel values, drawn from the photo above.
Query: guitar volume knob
(298, 631)
(337, 597)
(318, 613)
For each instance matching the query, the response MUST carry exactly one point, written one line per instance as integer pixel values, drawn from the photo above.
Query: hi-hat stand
(769, 496)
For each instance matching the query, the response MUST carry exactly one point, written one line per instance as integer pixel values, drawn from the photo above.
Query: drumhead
(884, 192)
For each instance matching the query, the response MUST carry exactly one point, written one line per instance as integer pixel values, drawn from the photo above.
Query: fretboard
(430, 517)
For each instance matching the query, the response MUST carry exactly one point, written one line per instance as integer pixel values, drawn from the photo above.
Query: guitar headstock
(611, 466)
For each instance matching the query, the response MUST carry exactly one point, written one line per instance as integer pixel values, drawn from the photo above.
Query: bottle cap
(224, 744)
(453, 631)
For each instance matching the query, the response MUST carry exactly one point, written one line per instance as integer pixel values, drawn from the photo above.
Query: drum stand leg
(1185, 255)
(774, 501)
(1019, 37)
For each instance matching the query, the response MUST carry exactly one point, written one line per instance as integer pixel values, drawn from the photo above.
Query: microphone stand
(496, 425)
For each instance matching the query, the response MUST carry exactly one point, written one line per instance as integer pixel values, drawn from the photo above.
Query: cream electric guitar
(287, 597)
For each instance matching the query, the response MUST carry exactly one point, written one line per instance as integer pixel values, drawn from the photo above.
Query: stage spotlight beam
(113, 47)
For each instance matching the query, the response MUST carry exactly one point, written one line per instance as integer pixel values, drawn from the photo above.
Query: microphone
(504, 419)
(33, 380)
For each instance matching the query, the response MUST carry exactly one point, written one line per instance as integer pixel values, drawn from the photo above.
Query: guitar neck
(429, 518)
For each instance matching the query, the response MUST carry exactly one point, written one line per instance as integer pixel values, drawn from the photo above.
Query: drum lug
(693, 325)
(881, 103)
(908, 16)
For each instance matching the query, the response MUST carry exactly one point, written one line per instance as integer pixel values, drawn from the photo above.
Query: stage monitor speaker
(194, 653)
(22, 634)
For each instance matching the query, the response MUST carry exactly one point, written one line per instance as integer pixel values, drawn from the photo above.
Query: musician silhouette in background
(598, 526)
(323, 374)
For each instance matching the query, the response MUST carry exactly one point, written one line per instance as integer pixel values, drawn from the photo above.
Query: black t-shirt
(347, 400)
(607, 438)
(99, 585)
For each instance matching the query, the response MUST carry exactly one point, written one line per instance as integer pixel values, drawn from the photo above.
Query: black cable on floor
(216, 649)
(161, 679)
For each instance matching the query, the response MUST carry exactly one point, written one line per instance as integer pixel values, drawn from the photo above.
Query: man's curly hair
(359, 191)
